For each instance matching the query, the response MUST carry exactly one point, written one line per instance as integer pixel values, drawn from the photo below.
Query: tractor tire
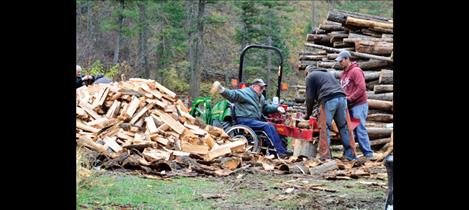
(248, 133)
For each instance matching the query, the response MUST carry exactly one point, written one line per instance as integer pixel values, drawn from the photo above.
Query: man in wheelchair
(250, 105)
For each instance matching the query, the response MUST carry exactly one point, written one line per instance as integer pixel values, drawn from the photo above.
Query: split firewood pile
(370, 41)
(140, 123)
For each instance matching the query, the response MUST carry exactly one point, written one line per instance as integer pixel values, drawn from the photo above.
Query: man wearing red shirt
(352, 80)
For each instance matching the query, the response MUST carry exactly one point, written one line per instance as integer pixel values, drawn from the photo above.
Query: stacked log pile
(370, 41)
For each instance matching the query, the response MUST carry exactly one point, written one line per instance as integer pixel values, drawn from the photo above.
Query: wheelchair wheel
(246, 132)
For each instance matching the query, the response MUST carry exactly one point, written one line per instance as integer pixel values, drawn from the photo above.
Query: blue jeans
(361, 134)
(336, 108)
(269, 130)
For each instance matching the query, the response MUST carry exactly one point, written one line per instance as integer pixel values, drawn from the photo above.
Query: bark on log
(318, 31)
(381, 117)
(371, 84)
(341, 16)
(331, 27)
(362, 55)
(338, 35)
(372, 124)
(373, 64)
(316, 52)
(371, 33)
(318, 38)
(342, 44)
(369, 75)
(327, 166)
(356, 36)
(311, 57)
(330, 64)
(372, 47)
(381, 141)
(386, 77)
(382, 30)
(327, 22)
(377, 133)
(383, 88)
(380, 96)
(352, 21)
(380, 105)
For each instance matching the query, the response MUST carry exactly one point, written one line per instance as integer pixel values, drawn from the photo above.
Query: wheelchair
(258, 140)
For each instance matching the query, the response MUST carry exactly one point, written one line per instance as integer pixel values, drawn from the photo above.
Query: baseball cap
(259, 82)
(343, 54)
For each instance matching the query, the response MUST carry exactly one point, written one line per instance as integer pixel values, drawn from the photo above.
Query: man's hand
(217, 87)
(281, 109)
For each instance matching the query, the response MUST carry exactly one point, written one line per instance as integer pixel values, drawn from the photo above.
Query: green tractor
(218, 116)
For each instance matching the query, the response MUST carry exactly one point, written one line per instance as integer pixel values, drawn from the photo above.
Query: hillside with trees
(186, 45)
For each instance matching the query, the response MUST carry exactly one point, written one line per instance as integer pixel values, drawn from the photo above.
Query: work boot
(371, 157)
(286, 155)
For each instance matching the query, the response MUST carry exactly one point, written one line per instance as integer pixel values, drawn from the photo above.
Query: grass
(112, 190)
(109, 190)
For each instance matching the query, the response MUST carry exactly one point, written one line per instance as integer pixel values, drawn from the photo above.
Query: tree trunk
(90, 17)
(380, 105)
(382, 30)
(372, 47)
(342, 44)
(143, 52)
(386, 77)
(352, 37)
(329, 64)
(378, 133)
(339, 38)
(372, 124)
(331, 27)
(373, 64)
(367, 23)
(380, 117)
(198, 51)
(369, 75)
(371, 84)
(383, 88)
(318, 38)
(327, 166)
(317, 30)
(311, 57)
(269, 52)
(119, 33)
(380, 96)
(79, 18)
(371, 33)
(341, 16)
(363, 55)
(319, 52)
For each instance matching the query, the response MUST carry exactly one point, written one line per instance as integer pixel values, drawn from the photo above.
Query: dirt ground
(270, 191)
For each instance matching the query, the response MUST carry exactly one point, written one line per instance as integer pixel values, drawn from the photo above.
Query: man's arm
(310, 96)
(234, 96)
(359, 80)
(269, 108)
